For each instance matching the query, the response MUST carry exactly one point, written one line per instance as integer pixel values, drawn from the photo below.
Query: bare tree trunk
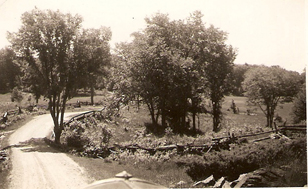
(152, 112)
(194, 112)
(194, 121)
(92, 94)
(55, 119)
(57, 110)
(216, 116)
(57, 131)
(163, 114)
(198, 121)
(138, 103)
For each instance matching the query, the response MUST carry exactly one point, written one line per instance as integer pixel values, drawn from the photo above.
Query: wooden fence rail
(83, 115)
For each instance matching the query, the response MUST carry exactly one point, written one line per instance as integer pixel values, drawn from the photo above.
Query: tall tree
(121, 79)
(189, 40)
(212, 62)
(92, 50)
(174, 62)
(267, 86)
(45, 42)
(218, 68)
(165, 84)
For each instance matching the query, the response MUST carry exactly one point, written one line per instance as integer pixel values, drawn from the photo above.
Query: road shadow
(41, 145)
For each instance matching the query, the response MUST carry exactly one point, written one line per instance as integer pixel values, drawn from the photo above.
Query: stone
(210, 181)
(240, 181)
(226, 185)
(220, 182)
(180, 184)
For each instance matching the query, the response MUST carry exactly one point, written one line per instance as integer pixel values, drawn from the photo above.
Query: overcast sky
(269, 32)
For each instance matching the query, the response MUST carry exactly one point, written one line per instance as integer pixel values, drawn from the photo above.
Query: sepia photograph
(153, 94)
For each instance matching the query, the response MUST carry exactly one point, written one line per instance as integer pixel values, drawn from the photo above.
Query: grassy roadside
(166, 174)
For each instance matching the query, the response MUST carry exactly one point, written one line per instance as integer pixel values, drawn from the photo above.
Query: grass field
(6, 104)
(283, 110)
(131, 128)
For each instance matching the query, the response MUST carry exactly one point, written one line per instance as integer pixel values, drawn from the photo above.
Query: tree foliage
(45, 42)
(172, 64)
(299, 108)
(267, 86)
(9, 70)
(92, 52)
(238, 76)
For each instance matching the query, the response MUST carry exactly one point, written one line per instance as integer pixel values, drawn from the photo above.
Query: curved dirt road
(42, 169)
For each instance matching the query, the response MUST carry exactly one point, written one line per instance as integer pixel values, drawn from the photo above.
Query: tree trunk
(92, 94)
(57, 131)
(269, 115)
(198, 121)
(194, 108)
(216, 115)
(184, 115)
(163, 117)
(57, 110)
(194, 121)
(152, 112)
(138, 103)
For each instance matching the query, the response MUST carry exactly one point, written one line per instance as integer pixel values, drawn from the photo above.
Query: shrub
(89, 137)
(16, 95)
(243, 159)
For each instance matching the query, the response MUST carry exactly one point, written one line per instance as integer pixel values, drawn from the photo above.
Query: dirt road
(42, 169)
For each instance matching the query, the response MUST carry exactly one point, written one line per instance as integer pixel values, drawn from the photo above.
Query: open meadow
(132, 126)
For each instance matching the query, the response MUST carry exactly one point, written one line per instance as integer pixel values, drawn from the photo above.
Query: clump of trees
(269, 86)
(49, 48)
(171, 65)
(9, 70)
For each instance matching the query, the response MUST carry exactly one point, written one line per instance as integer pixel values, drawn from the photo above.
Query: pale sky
(269, 32)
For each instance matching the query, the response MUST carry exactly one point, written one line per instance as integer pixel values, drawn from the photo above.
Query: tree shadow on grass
(159, 131)
(155, 129)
